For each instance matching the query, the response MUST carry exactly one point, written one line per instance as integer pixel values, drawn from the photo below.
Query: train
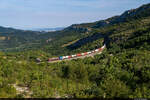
(76, 55)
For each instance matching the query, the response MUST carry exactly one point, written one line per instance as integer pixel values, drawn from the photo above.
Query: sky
(27, 14)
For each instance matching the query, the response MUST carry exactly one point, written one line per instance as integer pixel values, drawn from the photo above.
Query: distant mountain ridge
(142, 11)
(6, 29)
(48, 29)
(84, 33)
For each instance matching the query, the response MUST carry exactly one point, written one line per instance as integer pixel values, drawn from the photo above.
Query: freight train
(76, 55)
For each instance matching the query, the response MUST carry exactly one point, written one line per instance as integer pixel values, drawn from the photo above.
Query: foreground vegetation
(124, 75)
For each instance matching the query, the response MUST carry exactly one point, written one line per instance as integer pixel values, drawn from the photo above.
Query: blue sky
(26, 14)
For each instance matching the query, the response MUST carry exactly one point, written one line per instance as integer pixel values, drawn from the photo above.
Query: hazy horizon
(27, 14)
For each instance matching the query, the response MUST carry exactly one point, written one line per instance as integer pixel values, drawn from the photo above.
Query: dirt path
(23, 90)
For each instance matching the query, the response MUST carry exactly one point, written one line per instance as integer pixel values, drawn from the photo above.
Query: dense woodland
(122, 70)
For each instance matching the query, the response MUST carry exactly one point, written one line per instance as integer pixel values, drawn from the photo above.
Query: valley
(118, 67)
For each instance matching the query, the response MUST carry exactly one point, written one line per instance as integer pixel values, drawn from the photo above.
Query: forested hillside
(122, 70)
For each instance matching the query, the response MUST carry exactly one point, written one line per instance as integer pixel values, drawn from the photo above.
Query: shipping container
(61, 57)
(79, 54)
(89, 52)
(85, 53)
(73, 55)
(64, 57)
(93, 51)
(69, 57)
(100, 49)
(103, 46)
(96, 50)
(82, 54)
